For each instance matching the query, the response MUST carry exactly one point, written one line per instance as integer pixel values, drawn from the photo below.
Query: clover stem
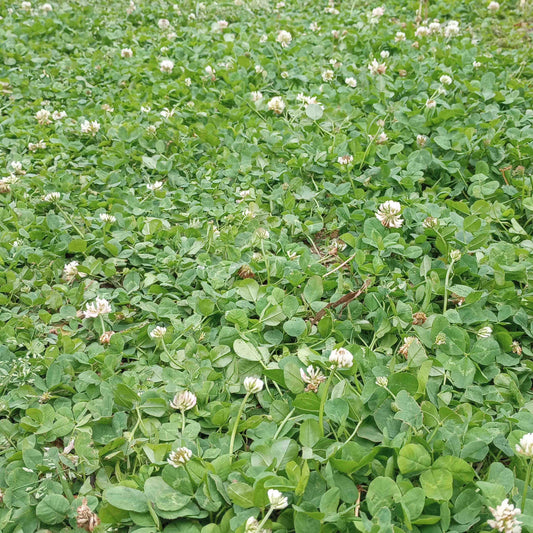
(267, 266)
(323, 402)
(266, 517)
(189, 476)
(526, 485)
(446, 283)
(165, 349)
(236, 424)
(102, 323)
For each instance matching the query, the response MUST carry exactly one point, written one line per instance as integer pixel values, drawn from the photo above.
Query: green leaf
(314, 111)
(310, 432)
(313, 289)
(241, 494)
(52, 509)
(294, 327)
(246, 350)
(126, 498)
(413, 459)
(437, 484)
(382, 492)
(409, 411)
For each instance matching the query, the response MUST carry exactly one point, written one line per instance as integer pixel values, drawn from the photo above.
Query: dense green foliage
(247, 228)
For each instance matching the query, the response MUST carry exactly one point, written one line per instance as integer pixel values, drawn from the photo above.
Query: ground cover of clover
(266, 266)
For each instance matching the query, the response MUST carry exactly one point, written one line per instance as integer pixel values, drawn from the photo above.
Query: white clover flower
(91, 127)
(435, 27)
(154, 186)
(421, 140)
(106, 217)
(378, 12)
(17, 167)
(328, 75)
(451, 29)
(179, 457)
(107, 108)
(59, 115)
(51, 196)
(43, 116)
(46, 8)
(163, 24)
(167, 113)
(445, 79)
(158, 332)
(276, 104)
(389, 214)
(384, 54)
(493, 7)
(126, 52)
(455, 255)
(183, 401)
(253, 385)
(25, 6)
(377, 68)
(440, 339)
(476, 64)
(97, 308)
(41, 145)
(262, 233)
(505, 518)
(253, 526)
(276, 499)
(70, 271)
(341, 358)
(526, 445)
(166, 66)
(263, 38)
(345, 159)
(314, 26)
(430, 222)
(187, 82)
(260, 70)
(313, 377)
(430, 103)
(351, 82)
(256, 96)
(210, 71)
(382, 381)
(382, 138)
(284, 38)
(485, 332)
(145, 109)
(284, 74)
(151, 130)
(131, 8)
(422, 31)
(400, 36)
(222, 24)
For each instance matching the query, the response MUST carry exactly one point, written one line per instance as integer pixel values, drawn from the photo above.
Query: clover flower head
(126, 52)
(389, 214)
(253, 385)
(179, 457)
(276, 104)
(97, 308)
(485, 332)
(166, 66)
(505, 518)
(284, 38)
(341, 358)
(183, 401)
(525, 447)
(313, 377)
(158, 332)
(276, 499)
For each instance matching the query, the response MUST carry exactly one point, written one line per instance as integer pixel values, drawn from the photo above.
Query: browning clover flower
(313, 377)
(389, 214)
(85, 518)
